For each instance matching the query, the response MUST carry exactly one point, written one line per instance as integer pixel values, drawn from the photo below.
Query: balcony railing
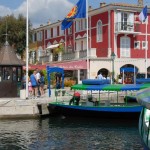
(68, 56)
(126, 27)
(44, 59)
(82, 54)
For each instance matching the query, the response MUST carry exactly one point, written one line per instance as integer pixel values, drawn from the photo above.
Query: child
(30, 89)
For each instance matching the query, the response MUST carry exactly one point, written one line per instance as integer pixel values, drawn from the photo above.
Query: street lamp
(113, 58)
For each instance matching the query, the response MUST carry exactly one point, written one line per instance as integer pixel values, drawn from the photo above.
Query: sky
(42, 11)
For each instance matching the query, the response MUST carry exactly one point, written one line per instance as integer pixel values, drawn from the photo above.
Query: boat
(109, 100)
(143, 98)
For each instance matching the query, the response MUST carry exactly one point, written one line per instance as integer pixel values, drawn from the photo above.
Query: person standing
(100, 77)
(120, 80)
(34, 84)
(30, 89)
(24, 81)
(38, 76)
(42, 83)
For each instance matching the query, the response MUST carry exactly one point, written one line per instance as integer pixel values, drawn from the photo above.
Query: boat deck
(103, 98)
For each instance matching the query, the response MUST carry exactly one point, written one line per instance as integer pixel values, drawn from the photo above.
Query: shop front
(75, 69)
(128, 74)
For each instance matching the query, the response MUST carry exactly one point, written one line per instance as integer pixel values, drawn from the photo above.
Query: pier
(22, 108)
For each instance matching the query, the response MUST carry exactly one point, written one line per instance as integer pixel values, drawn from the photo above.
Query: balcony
(83, 54)
(68, 56)
(127, 28)
(44, 59)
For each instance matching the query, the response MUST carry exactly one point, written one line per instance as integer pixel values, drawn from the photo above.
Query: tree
(16, 30)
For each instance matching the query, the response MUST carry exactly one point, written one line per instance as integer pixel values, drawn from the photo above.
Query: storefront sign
(74, 65)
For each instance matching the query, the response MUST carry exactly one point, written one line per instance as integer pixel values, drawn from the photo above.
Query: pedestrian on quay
(30, 89)
(42, 83)
(34, 84)
(38, 76)
(100, 76)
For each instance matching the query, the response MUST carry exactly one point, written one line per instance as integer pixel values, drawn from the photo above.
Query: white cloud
(40, 11)
(5, 11)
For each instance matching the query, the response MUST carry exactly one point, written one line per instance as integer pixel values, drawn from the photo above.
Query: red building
(113, 28)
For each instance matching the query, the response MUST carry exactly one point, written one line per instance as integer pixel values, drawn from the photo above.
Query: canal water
(60, 133)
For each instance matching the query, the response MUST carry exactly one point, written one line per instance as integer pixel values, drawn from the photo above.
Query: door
(124, 18)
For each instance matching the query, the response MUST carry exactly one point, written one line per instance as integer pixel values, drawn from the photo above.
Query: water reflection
(69, 133)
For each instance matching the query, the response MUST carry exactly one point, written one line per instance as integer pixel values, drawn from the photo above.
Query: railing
(82, 53)
(43, 59)
(68, 56)
(126, 26)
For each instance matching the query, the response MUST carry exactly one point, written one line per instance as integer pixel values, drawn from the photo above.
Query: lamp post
(113, 58)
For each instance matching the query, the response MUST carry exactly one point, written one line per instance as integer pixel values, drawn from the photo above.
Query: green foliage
(45, 76)
(53, 78)
(16, 30)
(59, 49)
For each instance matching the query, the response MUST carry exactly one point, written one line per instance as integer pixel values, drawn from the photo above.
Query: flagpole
(87, 26)
(146, 43)
(27, 67)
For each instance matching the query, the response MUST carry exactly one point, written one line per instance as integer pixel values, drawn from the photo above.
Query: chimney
(140, 2)
(90, 7)
(102, 4)
(49, 22)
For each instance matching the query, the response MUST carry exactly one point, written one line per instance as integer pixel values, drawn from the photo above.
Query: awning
(52, 46)
(110, 87)
(33, 67)
(73, 65)
(128, 69)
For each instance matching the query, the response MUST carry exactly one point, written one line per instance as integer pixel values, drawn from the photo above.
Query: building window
(124, 18)
(144, 44)
(54, 31)
(70, 30)
(83, 25)
(40, 36)
(125, 21)
(81, 45)
(78, 25)
(34, 37)
(125, 45)
(84, 44)
(48, 34)
(136, 44)
(99, 31)
(61, 31)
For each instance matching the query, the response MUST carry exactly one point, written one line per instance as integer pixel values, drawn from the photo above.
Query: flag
(143, 14)
(78, 11)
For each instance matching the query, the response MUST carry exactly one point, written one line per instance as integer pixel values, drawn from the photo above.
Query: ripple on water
(69, 133)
